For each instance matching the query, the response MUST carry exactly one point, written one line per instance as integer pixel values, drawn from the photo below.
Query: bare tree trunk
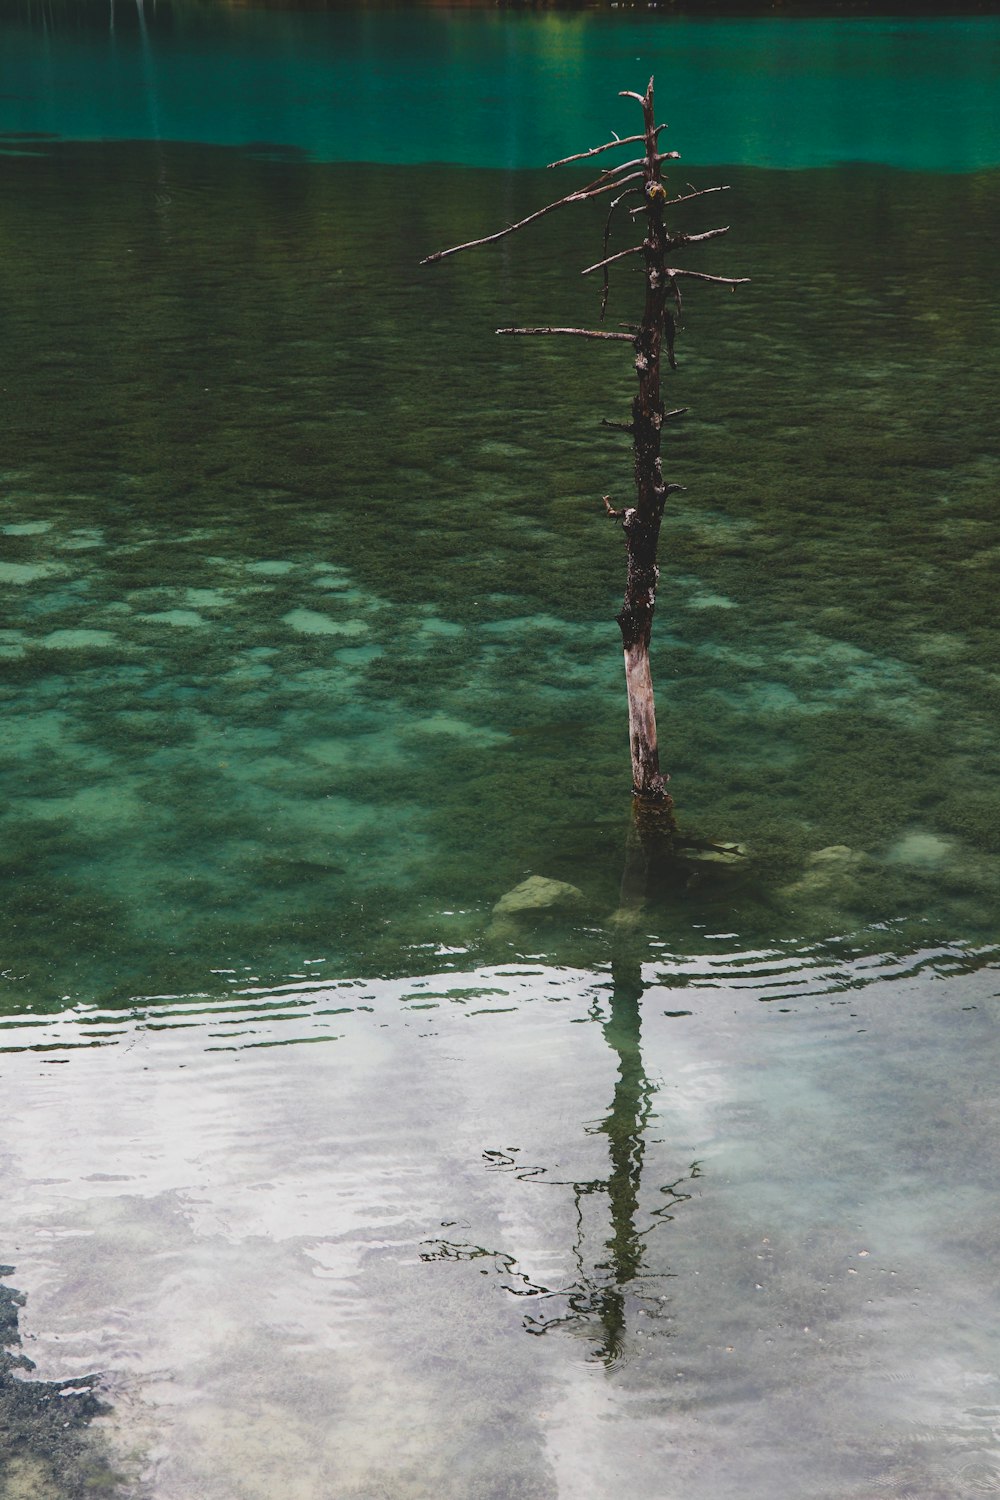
(641, 522)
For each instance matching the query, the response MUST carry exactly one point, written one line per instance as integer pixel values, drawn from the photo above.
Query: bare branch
(489, 239)
(630, 94)
(678, 411)
(610, 259)
(623, 140)
(697, 193)
(615, 515)
(594, 189)
(692, 239)
(583, 333)
(618, 426)
(609, 146)
(684, 198)
(733, 281)
(637, 161)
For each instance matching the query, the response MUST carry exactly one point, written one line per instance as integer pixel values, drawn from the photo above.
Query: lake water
(684, 1185)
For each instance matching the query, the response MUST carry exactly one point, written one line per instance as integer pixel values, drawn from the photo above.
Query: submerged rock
(535, 898)
(829, 872)
(833, 854)
(537, 893)
(49, 1451)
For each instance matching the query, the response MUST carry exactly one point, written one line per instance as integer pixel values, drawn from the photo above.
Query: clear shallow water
(300, 1282)
(309, 656)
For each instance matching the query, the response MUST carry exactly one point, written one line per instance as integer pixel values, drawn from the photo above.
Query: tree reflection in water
(609, 1249)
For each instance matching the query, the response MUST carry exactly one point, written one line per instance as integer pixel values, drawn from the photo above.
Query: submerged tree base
(660, 858)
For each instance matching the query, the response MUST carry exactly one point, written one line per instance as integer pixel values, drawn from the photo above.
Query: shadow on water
(48, 1448)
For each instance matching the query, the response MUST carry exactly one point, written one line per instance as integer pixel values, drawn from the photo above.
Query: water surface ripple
(277, 1255)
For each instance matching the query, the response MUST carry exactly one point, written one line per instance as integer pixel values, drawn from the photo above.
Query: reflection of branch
(505, 1264)
(600, 1289)
(586, 1297)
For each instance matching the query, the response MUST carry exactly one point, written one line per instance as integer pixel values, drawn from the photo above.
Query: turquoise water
(506, 89)
(683, 1181)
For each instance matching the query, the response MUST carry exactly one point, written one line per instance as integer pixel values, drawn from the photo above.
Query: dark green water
(308, 656)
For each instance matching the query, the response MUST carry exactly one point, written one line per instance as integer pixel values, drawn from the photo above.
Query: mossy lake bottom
(309, 656)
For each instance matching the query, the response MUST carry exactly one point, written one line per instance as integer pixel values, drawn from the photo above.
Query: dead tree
(642, 178)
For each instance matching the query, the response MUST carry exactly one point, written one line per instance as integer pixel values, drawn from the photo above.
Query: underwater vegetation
(48, 1449)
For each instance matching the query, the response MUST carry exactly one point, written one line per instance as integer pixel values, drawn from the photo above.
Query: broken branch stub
(651, 339)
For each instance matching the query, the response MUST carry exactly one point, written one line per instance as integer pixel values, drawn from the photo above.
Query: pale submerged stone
(537, 893)
(830, 873)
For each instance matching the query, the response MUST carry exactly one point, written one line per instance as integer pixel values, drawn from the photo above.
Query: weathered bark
(648, 781)
(641, 522)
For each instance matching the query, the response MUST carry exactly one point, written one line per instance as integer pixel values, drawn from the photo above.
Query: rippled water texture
(677, 1176)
